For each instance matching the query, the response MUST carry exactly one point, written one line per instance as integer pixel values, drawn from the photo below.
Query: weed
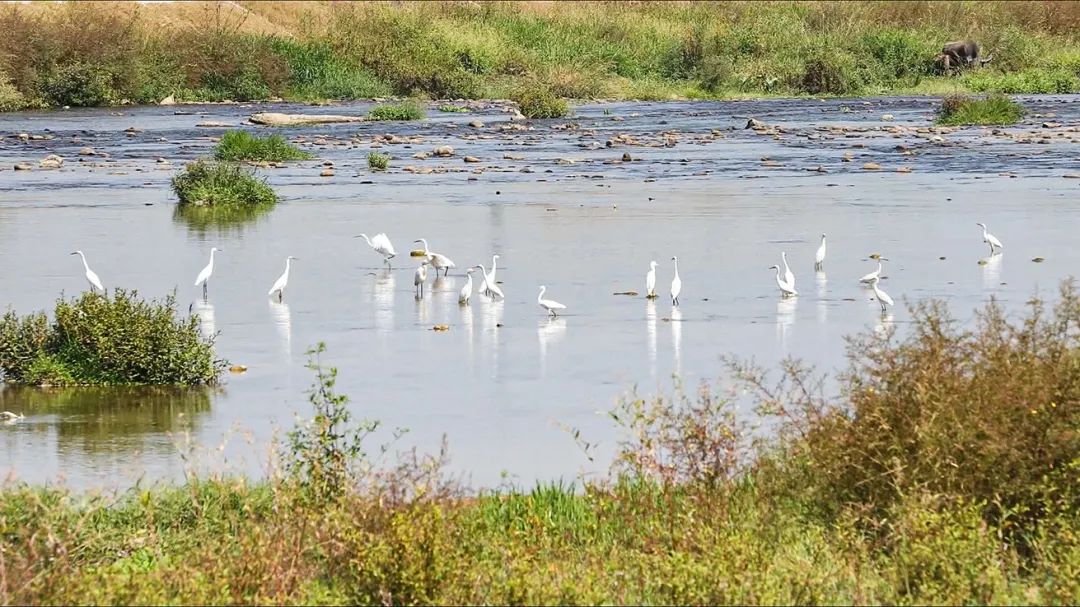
(397, 111)
(242, 145)
(210, 183)
(377, 161)
(538, 102)
(965, 110)
(107, 340)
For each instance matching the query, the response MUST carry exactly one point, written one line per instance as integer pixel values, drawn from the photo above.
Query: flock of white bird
(381, 244)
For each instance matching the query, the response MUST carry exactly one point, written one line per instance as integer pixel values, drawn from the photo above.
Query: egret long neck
(424, 242)
(212, 251)
(368, 240)
(83, 257)
(541, 295)
(494, 263)
(676, 268)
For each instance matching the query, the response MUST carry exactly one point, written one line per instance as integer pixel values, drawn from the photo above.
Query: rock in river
(276, 119)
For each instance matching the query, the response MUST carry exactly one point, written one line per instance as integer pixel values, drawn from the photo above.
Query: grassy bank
(106, 53)
(945, 472)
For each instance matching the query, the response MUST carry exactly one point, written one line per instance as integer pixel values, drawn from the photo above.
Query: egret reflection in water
(549, 332)
(821, 282)
(991, 271)
(283, 323)
(785, 319)
(205, 310)
(650, 333)
(676, 338)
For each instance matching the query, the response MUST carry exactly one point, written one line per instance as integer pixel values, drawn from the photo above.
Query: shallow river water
(503, 382)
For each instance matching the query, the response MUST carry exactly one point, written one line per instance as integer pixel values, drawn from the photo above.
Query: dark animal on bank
(960, 55)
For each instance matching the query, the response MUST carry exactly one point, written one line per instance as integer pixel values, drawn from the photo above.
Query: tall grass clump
(539, 102)
(242, 145)
(216, 183)
(377, 161)
(397, 111)
(959, 110)
(107, 340)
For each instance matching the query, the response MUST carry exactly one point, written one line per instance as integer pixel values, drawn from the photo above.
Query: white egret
(650, 281)
(548, 304)
(466, 291)
(484, 281)
(676, 284)
(493, 288)
(789, 276)
(438, 260)
(91, 277)
(282, 281)
(819, 257)
(10, 418)
(990, 239)
(872, 276)
(786, 288)
(420, 277)
(381, 245)
(882, 297)
(204, 276)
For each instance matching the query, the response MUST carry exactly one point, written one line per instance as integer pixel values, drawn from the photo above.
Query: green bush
(964, 110)
(210, 183)
(316, 72)
(377, 161)
(10, 97)
(397, 111)
(242, 145)
(899, 54)
(536, 101)
(102, 340)
(78, 84)
(828, 70)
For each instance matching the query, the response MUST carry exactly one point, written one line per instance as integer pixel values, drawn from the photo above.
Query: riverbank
(923, 483)
(90, 54)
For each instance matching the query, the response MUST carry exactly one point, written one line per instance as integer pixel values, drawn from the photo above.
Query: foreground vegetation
(993, 109)
(107, 340)
(243, 146)
(207, 183)
(944, 472)
(106, 53)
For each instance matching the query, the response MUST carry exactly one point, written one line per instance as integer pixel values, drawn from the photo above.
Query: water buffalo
(960, 55)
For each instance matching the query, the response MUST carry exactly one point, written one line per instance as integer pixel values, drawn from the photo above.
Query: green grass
(242, 145)
(216, 183)
(107, 340)
(449, 107)
(645, 50)
(538, 102)
(377, 161)
(922, 482)
(397, 111)
(960, 110)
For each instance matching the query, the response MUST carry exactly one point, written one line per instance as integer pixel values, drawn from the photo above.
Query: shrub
(78, 84)
(377, 161)
(1026, 82)
(827, 70)
(207, 183)
(316, 72)
(536, 101)
(899, 54)
(242, 145)
(10, 97)
(964, 110)
(102, 340)
(985, 415)
(397, 111)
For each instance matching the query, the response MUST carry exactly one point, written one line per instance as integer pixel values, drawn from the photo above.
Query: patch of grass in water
(449, 107)
(377, 161)
(959, 110)
(242, 145)
(397, 111)
(213, 183)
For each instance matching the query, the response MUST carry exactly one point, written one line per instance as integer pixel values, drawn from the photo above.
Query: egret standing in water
(650, 281)
(493, 289)
(819, 257)
(466, 291)
(438, 260)
(881, 296)
(676, 283)
(787, 289)
(282, 281)
(990, 239)
(204, 276)
(91, 277)
(420, 277)
(872, 276)
(549, 304)
(789, 276)
(381, 245)
(484, 281)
